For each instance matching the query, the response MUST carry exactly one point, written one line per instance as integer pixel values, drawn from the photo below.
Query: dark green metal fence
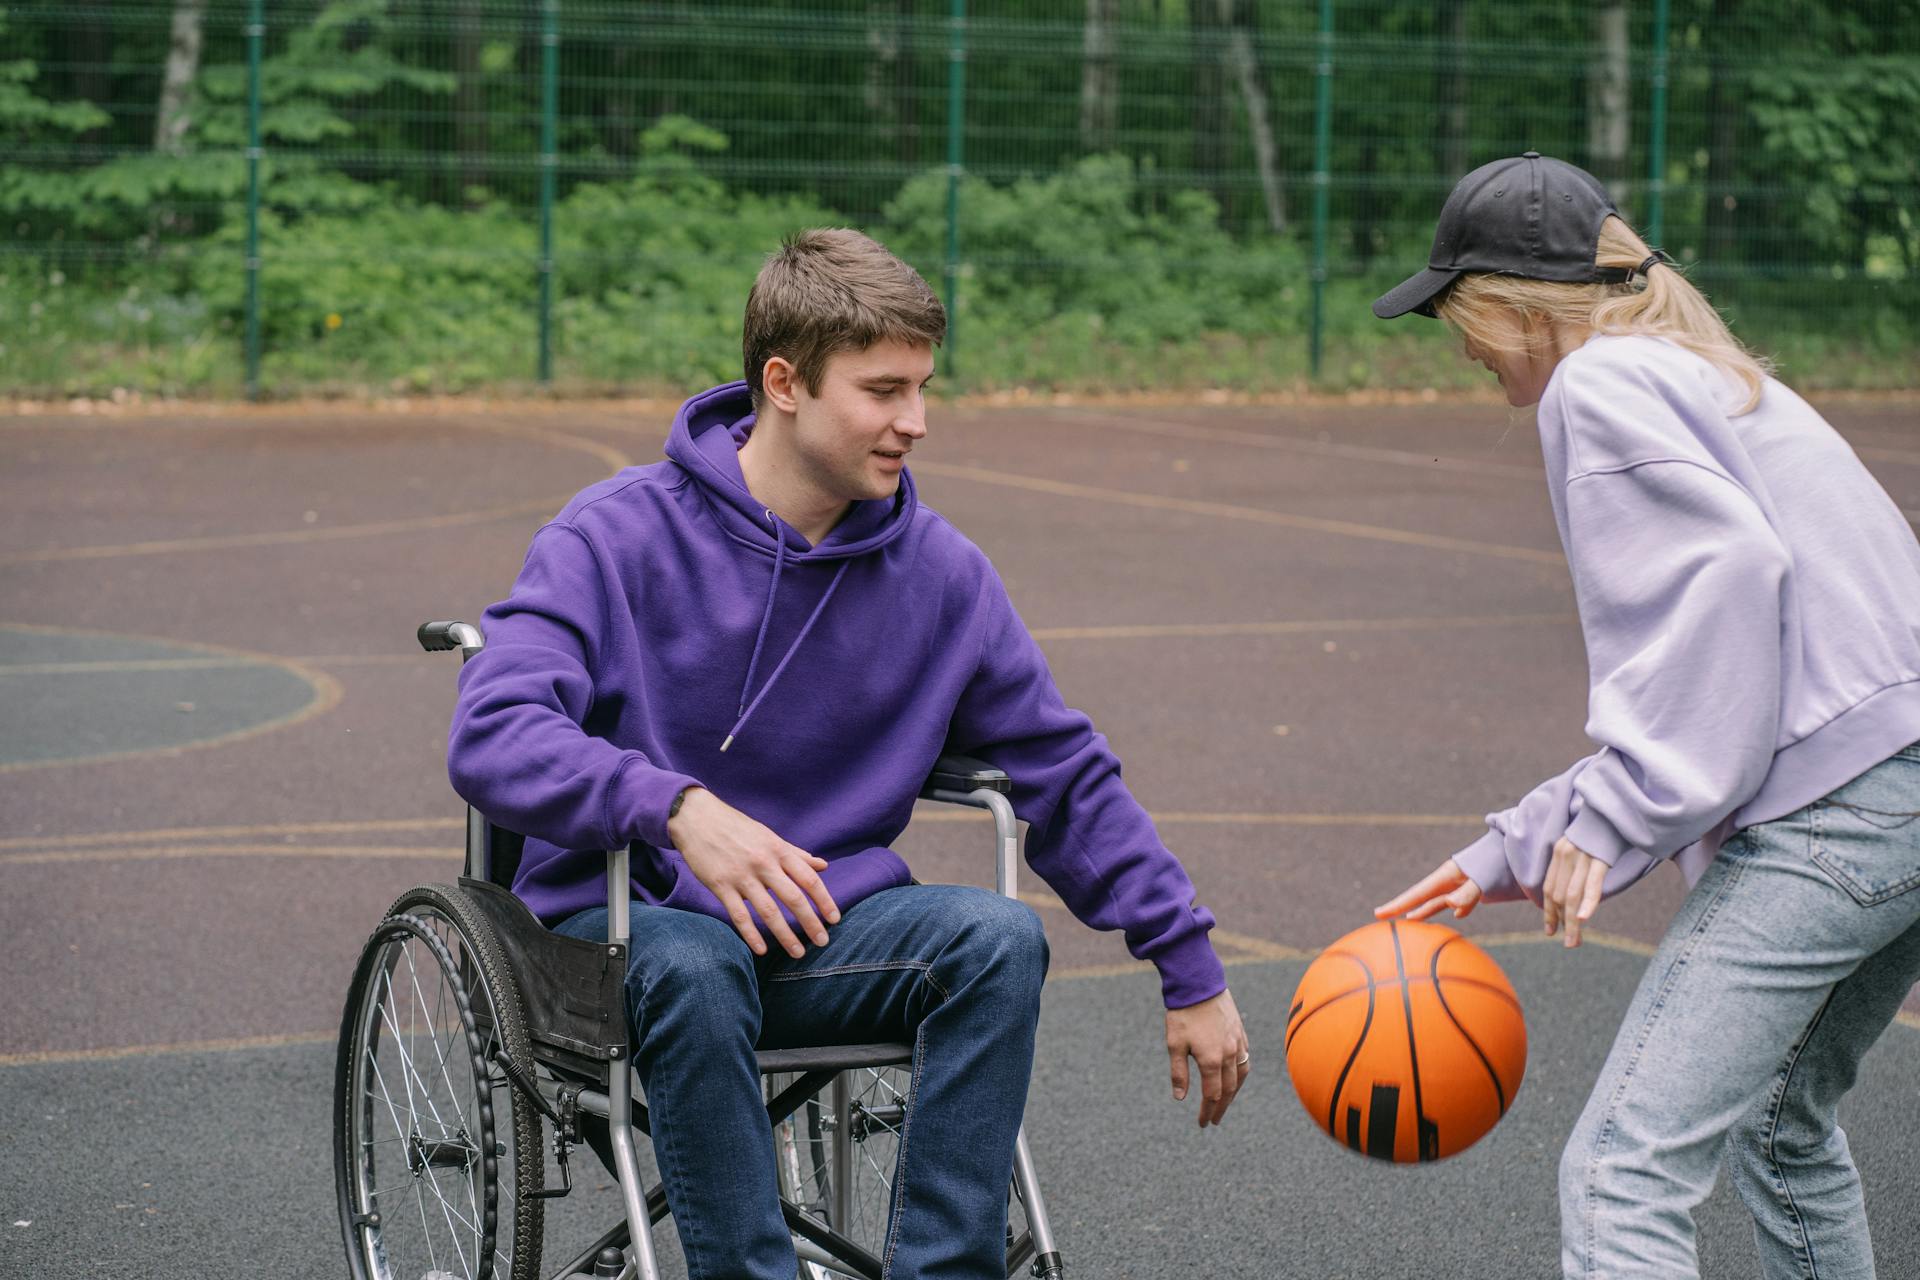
(212, 195)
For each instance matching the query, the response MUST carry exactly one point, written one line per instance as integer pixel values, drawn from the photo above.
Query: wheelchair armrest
(963, 774)
(437, 637)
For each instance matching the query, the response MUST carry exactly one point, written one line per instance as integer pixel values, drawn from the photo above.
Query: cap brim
(1415, 293)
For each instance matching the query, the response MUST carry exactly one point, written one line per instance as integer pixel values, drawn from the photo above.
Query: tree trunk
(469, 103)
(1609, 106)
(1209, 105)
(1453, 150)
(1238, 17)
(1099, 78)
(183, 64)
(906, 105)
(1724, 110)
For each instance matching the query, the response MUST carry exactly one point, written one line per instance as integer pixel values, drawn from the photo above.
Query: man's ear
(780, 384)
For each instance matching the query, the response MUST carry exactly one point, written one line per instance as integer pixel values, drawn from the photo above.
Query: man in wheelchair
(743, 661)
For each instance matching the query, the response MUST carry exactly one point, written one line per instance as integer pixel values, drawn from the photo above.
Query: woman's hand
(1571, 893)
(1448, 886)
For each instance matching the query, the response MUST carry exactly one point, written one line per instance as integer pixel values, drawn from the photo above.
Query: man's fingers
(788, 892)
(742, 921)
(775, 923)
(1464, 899)
(1178, 1055)
(815, 888)
(1431, 907)
(1212, 1084)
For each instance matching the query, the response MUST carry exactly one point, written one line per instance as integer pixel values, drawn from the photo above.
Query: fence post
(1322, 160)
(256, 33)
(549, 108)
(956, 154)
(1657, 145)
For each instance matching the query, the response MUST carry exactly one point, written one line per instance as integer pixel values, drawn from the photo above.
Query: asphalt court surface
(1324, 639)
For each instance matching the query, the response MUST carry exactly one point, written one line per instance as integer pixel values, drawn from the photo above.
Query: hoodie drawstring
(773, 590)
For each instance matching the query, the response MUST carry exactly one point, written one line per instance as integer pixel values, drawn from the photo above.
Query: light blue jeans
(1786, 962)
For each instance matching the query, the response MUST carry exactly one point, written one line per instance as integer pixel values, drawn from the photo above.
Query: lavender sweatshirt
(1750, 598)
(665, 611)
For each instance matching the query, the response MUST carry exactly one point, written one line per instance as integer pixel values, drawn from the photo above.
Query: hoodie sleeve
(1087, 837)
(1678, 577)
(517, 750)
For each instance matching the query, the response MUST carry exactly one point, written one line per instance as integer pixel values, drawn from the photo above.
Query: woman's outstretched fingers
(1443, 879)
(1591, 878)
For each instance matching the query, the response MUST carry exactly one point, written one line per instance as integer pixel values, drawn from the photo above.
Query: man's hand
(746, 864)
(1210, 1033)
(1572, 889)
(1448, 886)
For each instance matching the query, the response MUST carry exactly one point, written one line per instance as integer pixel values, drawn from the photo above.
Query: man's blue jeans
(1787, 961)
(953, 971)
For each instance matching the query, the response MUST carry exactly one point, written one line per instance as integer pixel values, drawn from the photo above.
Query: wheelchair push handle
(437, 637)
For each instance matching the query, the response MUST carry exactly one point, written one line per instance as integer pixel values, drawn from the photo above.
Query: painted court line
(167, 845)
(1267, 953)
(327, 693)
(1293, 444)
(1253, 515)
(1204, 630)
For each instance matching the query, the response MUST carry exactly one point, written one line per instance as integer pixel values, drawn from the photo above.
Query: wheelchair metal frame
(956, 781)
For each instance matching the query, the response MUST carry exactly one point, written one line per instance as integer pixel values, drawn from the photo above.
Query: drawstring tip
(727, 743)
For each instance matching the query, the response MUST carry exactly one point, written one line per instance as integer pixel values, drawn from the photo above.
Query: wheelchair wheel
(850, 1189)
(436, 1156)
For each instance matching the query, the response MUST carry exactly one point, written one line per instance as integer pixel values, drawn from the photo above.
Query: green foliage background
(1142, 246)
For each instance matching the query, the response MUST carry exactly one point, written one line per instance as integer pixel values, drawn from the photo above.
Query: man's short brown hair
(831, 290)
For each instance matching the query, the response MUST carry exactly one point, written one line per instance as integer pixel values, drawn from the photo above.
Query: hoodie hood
(705, 441)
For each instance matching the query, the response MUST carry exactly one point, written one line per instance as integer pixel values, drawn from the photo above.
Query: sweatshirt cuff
(1596, 836)
(641, 797)
(1485, 862)
(1190, 971)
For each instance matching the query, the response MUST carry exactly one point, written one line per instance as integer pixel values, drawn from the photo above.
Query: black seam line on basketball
(1333, 1106)
(1499, 1090)
(1330, 1000)
(1457, 979)
(1413, 1054)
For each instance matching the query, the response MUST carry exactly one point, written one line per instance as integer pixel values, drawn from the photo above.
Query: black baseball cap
(1530, 216)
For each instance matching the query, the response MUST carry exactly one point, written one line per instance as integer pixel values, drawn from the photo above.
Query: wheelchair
(474, 1040)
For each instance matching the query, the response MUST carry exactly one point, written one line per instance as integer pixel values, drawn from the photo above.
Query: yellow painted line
(326, 696)
(613, 458)
(166, 834)
(1129, 969)
(114, 1052)
(1146, 631)
(178, 852)
(285, 537)
(1234, 819)
(1254, 515)
(1292, 444)
(132, 664)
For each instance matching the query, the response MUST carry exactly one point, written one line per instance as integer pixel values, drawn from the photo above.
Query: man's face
(852, 439)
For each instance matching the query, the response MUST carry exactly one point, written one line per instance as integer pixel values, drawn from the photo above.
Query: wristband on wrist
(679, 798)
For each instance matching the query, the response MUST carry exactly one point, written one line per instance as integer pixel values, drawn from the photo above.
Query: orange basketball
(1405, 1041)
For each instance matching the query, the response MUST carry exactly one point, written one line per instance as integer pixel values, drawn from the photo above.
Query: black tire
(436, 1156)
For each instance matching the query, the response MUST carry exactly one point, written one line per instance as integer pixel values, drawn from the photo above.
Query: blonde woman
(1750, 600)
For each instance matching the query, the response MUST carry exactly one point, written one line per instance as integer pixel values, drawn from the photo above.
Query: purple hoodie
(665, 612)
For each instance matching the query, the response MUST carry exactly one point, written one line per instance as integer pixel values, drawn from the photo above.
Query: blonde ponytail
(1514, 314)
